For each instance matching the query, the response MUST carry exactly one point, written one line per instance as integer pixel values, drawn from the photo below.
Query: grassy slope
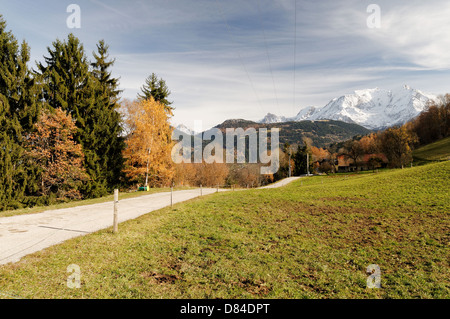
(311, 239)
(436, 151)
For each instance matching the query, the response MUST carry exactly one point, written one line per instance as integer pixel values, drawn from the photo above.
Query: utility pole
(307, 163)
(290, 170)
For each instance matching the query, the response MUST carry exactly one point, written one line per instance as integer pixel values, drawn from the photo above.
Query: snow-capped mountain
(371, 108)
(272, 118)
(184, 129)
(305, 114)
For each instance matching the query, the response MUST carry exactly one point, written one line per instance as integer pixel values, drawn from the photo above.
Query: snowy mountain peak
(304, 113)
(184, 129)
(272, 118)
(372, 108)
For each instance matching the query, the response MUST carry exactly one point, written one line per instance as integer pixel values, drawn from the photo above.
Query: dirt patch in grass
(161, 278)
(257, 288)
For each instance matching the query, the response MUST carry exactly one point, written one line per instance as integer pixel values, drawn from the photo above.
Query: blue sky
(227, 59)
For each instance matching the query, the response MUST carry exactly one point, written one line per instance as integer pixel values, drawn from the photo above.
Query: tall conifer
(107, 103)
(157, 89)
(69, 84)
(18, 111)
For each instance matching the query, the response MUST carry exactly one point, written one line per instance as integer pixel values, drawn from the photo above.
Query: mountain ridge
(322, 132)
(374, 109)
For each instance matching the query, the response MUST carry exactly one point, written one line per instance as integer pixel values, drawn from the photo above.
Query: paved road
(282, 182)
(25, 234)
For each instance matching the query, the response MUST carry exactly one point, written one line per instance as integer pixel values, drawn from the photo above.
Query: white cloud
(212, 53)
(411, 32)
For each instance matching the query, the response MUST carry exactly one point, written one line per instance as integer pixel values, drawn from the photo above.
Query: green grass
(437, 151)
(311, 239)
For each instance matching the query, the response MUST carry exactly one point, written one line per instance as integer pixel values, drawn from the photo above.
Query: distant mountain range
(322, 132)
(343, 117)
(374, 109)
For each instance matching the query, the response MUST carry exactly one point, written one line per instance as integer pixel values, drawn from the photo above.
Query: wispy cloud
(414, 32)
(227, 59)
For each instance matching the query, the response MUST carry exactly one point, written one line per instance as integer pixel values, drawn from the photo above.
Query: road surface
(281, 183)
(25, 234)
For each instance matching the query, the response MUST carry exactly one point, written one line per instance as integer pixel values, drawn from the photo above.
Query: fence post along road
(116, 208)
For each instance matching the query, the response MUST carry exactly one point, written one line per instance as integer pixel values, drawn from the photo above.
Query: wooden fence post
(116, 202)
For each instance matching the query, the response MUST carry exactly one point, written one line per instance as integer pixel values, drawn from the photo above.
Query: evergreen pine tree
(68, 83)
(107, 103)
(18, 111)
(157, 89)
(300, 158)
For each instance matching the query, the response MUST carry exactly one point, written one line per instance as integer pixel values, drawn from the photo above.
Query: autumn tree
(58, 156)
(245, 175)
(433, 123)
(149, 144)
(67, 83)
(185, 174)
(211, 174)
(319, 154)
(375, 161)
(353, 149)
(369, 144)
(397, 144)
(89, 93)
(446, 115)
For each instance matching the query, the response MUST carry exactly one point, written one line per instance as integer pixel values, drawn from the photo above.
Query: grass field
(311, 239)
(437, 151)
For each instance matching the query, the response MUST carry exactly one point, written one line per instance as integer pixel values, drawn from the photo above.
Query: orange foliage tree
(205, 174)
(319, 154)
(369, 144)
(397, 144)
(59, 158)
(148, 144)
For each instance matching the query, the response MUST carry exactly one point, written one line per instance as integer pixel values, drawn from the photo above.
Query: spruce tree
(300, 158)
(107, 103)
(158, 90)
(18, 111)
(68, 83)
(65, 77)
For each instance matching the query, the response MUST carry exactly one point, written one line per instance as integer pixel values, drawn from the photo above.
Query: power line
(295, 52)
(268, 56)
(239, 54)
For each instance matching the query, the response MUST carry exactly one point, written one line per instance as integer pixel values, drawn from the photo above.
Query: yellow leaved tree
(148, 144)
